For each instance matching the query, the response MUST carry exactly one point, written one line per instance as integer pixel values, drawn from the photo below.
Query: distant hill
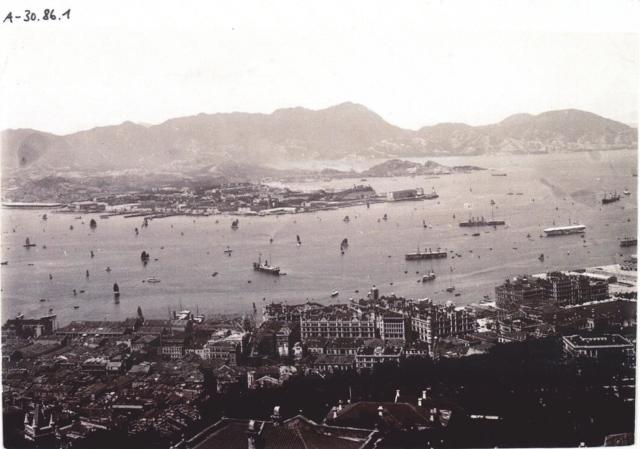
(191, 143)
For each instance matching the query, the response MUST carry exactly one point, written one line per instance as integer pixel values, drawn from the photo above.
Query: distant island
(345, 131)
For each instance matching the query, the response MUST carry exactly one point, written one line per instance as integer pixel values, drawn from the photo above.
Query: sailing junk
(610, 198)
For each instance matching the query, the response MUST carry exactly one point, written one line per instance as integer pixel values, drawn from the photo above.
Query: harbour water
(185, 252)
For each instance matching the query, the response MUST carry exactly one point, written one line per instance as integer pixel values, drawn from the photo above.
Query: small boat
(228, 251)
(429, 277)
(456, 294)
(451, 289)
(6, 262)
(43, 299)
(76, 307)
(28, 244)
(116, 289)
(541, 257)
(344, 244)
(346, 219)
(214, 274)
(70, 227)
(424, 224)
(335, 293)
(298, 240)
(44, 217)
(92, 255)
(108, 270)
(476, 234)
(93, 224)
(385, 217)
(152, 281)
(626, 192)
(235, 224)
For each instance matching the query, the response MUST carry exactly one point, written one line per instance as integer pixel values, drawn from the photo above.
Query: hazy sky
(414, 62)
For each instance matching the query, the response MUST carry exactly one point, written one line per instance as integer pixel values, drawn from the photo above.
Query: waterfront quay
(161, 379)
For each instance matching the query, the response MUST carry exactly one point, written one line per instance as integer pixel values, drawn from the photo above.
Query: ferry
(564, 230)
(265, 267)
(429, 254)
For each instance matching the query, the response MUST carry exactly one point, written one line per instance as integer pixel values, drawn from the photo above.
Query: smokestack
(419, 402)
(340, 405)
(397, 396)
(380, 411)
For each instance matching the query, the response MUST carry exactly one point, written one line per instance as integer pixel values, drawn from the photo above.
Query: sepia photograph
(318, 225)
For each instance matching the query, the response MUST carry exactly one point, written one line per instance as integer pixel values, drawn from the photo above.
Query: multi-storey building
(517, 291)
(568, 289)
(369, 357)
(336, 322)
(600, 347)
(440, 321)
(390, 325)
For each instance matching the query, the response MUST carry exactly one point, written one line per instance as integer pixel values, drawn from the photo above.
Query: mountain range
(343, 131)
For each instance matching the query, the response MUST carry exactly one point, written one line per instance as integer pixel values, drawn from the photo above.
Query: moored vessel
(265, 267)
(564, 230)
(424, 255)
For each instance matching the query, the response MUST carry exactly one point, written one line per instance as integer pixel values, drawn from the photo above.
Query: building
(336, 322)
(518, 291)
(293, 433)
(407, 194)
(171, 346)
(390, 325)
(332, 362)
(369, 357)
(570, 289)
(28, 328)
(600, 347)
(440, 321)
(39, 429)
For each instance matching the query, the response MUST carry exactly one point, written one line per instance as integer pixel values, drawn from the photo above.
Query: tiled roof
(295, 433)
